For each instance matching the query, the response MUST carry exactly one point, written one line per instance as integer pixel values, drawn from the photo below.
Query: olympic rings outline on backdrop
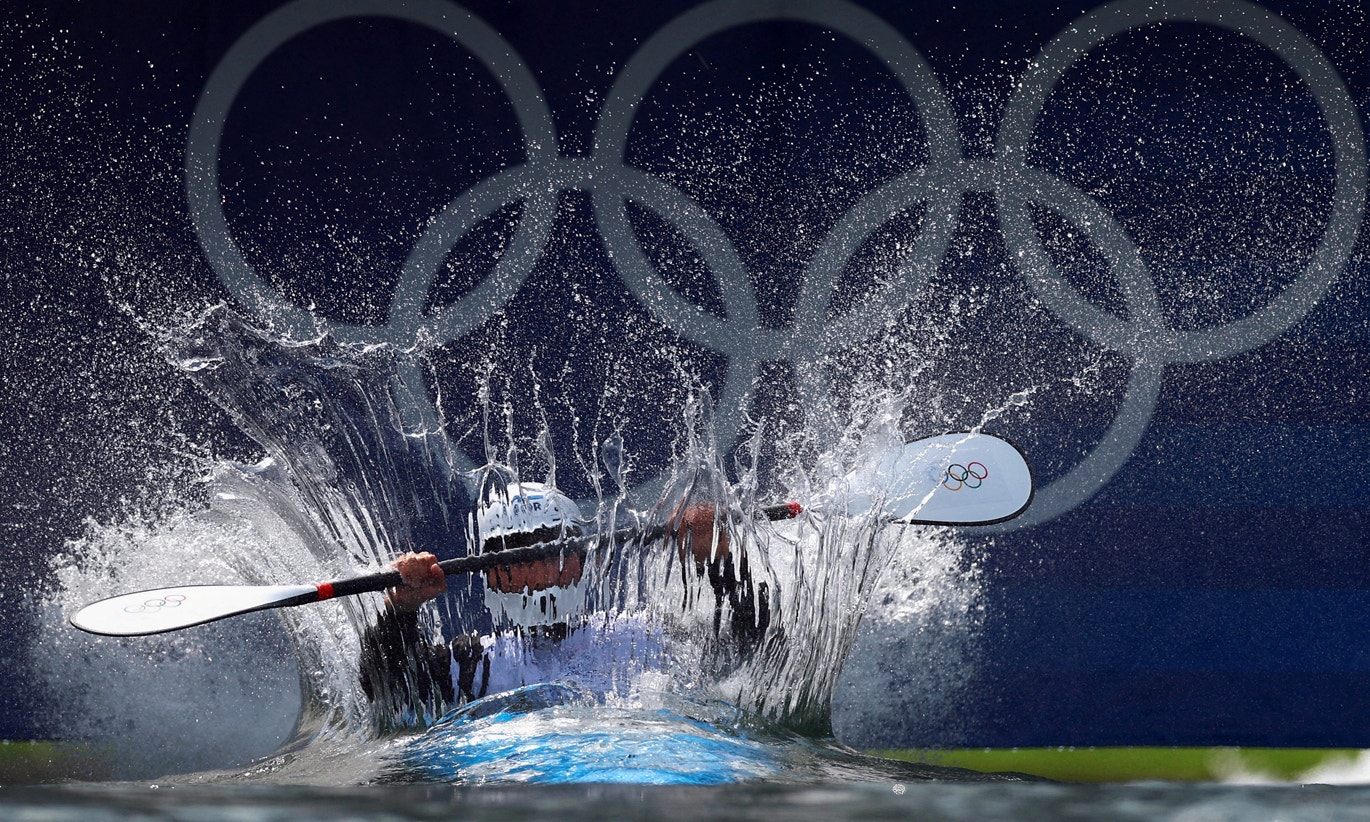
(1147, 341)
(1144, 338)
(540, 148)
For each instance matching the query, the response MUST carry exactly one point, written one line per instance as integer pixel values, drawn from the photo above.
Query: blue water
(533, 734)
(552, 734)
(553, 752)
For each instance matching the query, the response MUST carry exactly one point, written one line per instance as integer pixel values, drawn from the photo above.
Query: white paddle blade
(953, 479)
(170, 609)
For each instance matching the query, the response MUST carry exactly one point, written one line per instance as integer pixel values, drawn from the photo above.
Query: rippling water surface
(890, 800)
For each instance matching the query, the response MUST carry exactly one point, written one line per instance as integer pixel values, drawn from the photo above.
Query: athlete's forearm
(749, 602)
(399, 665)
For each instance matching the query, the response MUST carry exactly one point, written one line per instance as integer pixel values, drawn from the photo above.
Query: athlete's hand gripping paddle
(955, 479)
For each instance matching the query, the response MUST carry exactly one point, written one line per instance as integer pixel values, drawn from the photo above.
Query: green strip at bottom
(33, 763)
(1144, 764)
(27, 763)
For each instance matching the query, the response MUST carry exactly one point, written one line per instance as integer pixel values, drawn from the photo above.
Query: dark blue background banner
(1127, 236)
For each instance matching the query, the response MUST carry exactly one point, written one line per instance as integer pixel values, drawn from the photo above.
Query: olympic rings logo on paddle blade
(152, 606)
(970, 476)
(1017, 185)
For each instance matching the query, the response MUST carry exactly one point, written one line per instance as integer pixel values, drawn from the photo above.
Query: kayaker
(539, 604)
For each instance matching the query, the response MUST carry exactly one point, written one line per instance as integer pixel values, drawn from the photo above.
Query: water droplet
(200, 363)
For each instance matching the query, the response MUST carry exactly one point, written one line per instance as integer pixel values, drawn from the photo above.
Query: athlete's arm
(701, 533)
(399, 666)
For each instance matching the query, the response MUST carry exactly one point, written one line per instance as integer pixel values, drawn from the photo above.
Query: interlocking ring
(958, 476)
(742, 337)
(1144, 337)
(156, 604)
(526, 182)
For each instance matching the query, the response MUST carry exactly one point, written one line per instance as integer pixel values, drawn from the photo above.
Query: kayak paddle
(953, 479)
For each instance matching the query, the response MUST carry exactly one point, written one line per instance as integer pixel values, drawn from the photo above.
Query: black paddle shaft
(579, 545)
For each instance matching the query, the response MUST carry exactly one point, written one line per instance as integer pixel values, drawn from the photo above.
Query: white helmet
(519, 514)
(523, 513)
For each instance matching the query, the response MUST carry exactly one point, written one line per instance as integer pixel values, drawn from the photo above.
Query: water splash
(186, 701)
(348, 483)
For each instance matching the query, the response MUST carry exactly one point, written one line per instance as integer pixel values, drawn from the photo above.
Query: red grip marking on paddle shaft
(325, 590)
(784, 510)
